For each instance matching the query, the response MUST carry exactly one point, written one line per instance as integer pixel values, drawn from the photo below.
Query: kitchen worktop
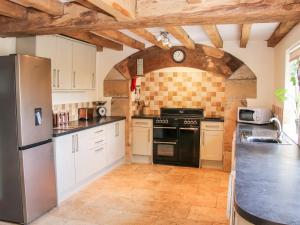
(211, 119)
(267, 180)
(79, 125)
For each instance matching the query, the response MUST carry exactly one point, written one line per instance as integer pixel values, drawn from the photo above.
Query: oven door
(165, 133)
(165, 151)
(189, 146)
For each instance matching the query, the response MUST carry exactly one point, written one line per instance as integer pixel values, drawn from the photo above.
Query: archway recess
(203, 57)
(240, 83)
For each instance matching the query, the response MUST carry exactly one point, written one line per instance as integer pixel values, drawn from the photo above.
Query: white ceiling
(228, 32)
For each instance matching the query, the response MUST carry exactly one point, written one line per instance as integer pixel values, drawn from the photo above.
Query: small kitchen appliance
(254, 115)
(101, 109)
(85, 113)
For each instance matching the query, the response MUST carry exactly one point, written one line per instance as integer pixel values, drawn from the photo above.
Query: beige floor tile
(208, 214)
(142, 194)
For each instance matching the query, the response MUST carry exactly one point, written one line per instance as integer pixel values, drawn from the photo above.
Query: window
(291, 111)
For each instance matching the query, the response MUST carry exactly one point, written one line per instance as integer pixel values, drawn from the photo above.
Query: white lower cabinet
(211, 141)
(142, 132)
(80, 156)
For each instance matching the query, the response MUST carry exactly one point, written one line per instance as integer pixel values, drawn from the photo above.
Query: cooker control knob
(184, 122)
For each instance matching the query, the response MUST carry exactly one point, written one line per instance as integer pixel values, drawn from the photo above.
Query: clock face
(178, 56)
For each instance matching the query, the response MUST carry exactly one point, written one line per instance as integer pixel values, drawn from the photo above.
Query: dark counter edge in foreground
(253, 219)
(243, 213)
(88, 124)
(220, 119)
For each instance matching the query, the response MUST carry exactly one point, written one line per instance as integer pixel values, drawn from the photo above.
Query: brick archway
(240, 83)
(203, 57)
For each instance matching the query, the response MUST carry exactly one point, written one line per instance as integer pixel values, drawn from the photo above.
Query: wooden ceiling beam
(213, 34)
(79, 18)
(148, 36)
(245, 34)
(52, 7)
(122, 38)
(180, 34)
(120, 9)
(12, 10)
(94, 39)
(281, 31)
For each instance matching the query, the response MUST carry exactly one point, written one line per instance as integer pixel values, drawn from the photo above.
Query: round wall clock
(178, 56)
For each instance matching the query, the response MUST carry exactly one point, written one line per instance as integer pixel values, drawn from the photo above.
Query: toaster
(85, 113)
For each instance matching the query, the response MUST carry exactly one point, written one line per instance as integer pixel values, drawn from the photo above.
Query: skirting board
(64, 196)
(211, 164)
(141, 159)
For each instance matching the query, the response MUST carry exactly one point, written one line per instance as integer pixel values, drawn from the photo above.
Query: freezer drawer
(39, 183)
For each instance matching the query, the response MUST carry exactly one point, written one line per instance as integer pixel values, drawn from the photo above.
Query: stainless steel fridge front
(27, 176)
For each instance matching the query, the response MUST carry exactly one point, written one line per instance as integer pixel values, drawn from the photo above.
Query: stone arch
(240, 82)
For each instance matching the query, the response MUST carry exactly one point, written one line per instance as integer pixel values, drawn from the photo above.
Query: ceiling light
(164, 38)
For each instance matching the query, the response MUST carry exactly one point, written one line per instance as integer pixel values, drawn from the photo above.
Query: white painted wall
(257, 56)
(106, 60)
(280, 52)
(260, 59)
(7, 46)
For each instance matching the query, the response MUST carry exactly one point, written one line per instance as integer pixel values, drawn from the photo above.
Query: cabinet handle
(93, 80)
(212, 126)
(148, 135)
(73, 144)
(117, 130)
(77, 149)
(99, 131)
(99, 149)
(203, 138)
(58, 78)
(74, 78)
(54, 78)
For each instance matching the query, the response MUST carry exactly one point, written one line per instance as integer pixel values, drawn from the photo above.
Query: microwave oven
(254, 115)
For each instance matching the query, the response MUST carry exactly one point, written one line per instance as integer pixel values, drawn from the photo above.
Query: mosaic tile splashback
(195, 89)
(72, 108)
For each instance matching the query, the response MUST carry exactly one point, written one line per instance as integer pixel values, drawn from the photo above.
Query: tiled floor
(147, 194)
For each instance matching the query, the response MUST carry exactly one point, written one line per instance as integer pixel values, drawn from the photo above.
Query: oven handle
(189, 128)
(174, 128)
(165, 142)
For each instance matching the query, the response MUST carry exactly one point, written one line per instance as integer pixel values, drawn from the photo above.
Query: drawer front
(142, 123)
(212, 125)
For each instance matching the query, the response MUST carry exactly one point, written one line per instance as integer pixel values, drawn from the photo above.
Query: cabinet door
(46, 47)
(92, 52)
(211, 145)
(65, 162)
(83, 60)
(142, 141)
(111, 145)
(120, 139)
(64, 63)
(84, 156)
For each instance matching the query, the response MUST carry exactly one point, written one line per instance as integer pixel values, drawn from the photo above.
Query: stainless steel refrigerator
(27, 172)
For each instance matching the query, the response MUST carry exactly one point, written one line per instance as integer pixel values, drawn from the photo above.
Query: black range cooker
(176, 136)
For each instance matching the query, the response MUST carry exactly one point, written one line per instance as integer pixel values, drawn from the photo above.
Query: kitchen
(124, 113)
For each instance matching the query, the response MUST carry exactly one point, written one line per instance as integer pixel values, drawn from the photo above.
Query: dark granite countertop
(79, 125)
(211, 119)
(267, 185)
(143, 116)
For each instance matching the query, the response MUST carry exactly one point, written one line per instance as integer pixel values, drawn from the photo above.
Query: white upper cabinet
(84, 64)
(73, 63)
(63, 63)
